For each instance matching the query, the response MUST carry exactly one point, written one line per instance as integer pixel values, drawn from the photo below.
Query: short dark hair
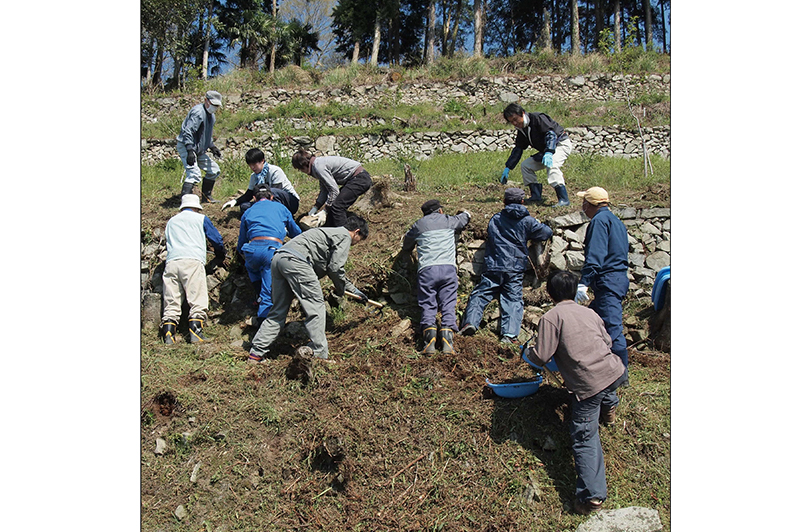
(354, 222)
(262, 191)
(301, 159)
(562, 285)
(513, 109)
(254, 155)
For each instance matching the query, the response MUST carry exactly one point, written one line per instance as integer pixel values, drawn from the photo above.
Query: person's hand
(582, 295)
(214, 150)
(547, 159)
(191, 158)
(504, 177)
(313, 211)
(467, 213)
(361, 295)
(227, 204)
(524, 347)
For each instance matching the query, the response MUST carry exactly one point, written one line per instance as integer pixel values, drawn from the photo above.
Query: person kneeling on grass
(576, 337)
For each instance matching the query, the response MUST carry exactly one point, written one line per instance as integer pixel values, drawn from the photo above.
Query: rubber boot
(429, 340)
(536, 194)
(187, 188)
(196, 331)
(208, 186)
(447, 341)
(563, 198)
(168, 329)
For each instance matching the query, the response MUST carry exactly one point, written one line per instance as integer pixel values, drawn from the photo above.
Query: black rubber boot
(563, 197)
(208, 186)
(536, 194)
(429, 340)
(187, 188)
(447, 341)
(196, 331)
(168, 329)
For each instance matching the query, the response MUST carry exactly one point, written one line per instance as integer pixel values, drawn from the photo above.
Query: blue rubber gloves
(504, 177)
(547, 159)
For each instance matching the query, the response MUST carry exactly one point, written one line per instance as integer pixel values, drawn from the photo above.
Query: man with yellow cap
(605, 266)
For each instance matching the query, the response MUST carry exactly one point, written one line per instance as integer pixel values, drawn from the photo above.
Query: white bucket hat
(190, 201)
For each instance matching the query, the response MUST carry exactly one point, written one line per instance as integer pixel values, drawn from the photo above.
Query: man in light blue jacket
(185, 272)
(194, 140)
(437, 276)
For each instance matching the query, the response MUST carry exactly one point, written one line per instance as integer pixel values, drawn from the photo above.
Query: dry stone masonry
(602, 140)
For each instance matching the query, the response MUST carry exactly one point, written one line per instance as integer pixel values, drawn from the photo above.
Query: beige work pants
(185, 278)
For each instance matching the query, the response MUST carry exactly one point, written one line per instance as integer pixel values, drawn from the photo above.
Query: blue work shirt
(605, 248)
(266, 218)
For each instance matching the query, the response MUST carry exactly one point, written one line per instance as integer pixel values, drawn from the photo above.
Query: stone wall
(605, 141)
(602, 140)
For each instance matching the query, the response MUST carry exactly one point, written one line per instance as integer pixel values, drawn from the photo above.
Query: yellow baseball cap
(594, 195)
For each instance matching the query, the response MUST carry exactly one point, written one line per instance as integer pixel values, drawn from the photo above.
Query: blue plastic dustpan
(551, 365)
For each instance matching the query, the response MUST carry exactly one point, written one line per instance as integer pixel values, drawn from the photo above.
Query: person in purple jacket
(434, 235)
(262, 230)
(506, 260)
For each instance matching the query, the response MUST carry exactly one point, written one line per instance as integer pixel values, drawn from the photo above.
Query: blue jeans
(258, 262)
(583, 429)
(609, 292)
(437, 291)
(508, 285)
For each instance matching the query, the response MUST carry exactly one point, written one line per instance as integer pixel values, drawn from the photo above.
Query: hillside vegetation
(383, 438)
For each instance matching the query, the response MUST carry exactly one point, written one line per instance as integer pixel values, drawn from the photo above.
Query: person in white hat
(194, 140)
(185, 272)
(605, 266)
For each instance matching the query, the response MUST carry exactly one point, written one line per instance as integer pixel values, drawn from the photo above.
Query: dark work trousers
(348, 194)
(586, 449)
(281, 196)
(609, 290)
(437, 292)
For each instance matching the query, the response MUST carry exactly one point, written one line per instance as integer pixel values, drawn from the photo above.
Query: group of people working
(587, 343)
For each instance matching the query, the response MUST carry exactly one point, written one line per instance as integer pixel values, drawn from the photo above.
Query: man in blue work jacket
(605, 267)
(264, 226)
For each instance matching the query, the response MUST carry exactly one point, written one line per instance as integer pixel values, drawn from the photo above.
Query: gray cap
(190, 201)
(214, 97)
(513, 195)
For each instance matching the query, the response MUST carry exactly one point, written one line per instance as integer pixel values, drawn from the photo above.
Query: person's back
(185, 236)
(508, 234)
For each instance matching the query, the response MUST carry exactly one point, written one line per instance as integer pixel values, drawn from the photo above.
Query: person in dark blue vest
(264, 226)
(605, 267)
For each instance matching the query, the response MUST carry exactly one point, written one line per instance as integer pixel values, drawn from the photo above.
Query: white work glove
(582, 295)
(313, 211)
(231, 203)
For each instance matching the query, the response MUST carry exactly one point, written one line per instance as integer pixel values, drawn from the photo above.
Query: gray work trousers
(292, 276)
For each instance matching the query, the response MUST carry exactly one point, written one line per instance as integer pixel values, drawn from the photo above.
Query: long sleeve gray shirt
(434, 236)
(332, 172)
(197, 129)
(326, 249)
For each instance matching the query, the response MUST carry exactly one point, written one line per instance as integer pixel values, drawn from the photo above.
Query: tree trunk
(576, 30)
(600, 19)
(648, 25)
(207, 43)
(477, 50)
(617, 24)
(376, 43)
(446, 16)
(547, 38)
(452, 49)
(663, 26)
(356, 51)
(430, 37)
(274, 50)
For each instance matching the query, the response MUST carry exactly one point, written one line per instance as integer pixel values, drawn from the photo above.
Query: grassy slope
(385, 439)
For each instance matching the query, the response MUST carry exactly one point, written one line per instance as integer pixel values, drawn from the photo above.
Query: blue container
(516, 390)
(659, 294)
